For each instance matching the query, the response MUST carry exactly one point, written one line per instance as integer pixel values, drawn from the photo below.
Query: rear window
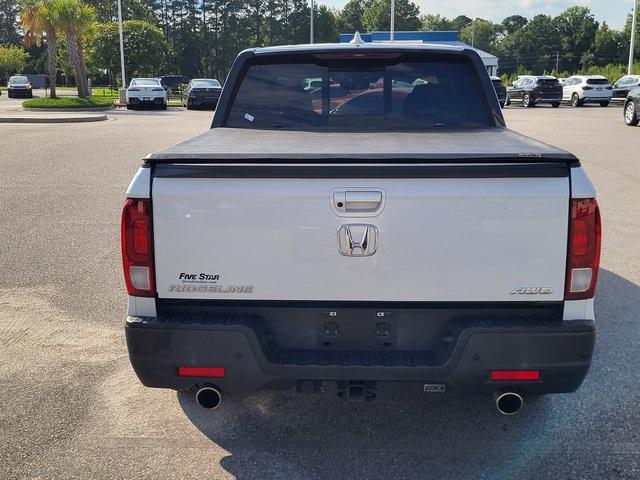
(359, 94)
(597, 81)
(205, 83)
(548, 81)
(145, 82)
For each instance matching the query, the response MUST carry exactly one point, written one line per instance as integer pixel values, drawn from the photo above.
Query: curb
(67, 110)
(16, 119)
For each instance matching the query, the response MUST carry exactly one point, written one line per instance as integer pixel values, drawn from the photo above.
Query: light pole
(393, 20)
(311, 25)
(122, 95)
(633, 36)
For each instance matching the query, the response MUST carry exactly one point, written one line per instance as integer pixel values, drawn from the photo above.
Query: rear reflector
(137, 247)
(515, 375)
(583, 250)
(216, 372)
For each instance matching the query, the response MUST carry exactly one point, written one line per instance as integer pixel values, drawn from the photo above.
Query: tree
(577, 29)
(479, 33)
(107, 10)
(606, 46)
(436, 23)
(8, 24)
(458, 23)
(12, 60)
(38, 23)
(377, 15)
(74, 19)
(626, 36)
(326, 25)
(513, 23)
(351, 17)
(533, 47)
(144, 48)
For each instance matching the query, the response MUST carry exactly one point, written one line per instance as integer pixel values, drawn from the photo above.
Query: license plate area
(356, 329)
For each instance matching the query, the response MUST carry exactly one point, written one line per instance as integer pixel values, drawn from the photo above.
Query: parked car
(581, 89)
(202, 92)
(531, 90)
(632, 107)
(146, 92)
(418, 240)
(173, 82)
(19, 86)
(624, 85)
(501, 91)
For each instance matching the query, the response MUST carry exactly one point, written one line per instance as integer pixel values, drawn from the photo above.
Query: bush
(69, 102)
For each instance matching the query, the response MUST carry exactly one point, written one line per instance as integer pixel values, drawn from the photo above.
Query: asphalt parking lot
(71, 406)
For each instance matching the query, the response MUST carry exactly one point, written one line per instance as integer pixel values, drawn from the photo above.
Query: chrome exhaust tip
(508, 402)
(209, 397)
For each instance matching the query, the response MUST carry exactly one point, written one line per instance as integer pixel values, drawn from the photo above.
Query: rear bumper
(547, 99)
(202, 101)
(150, 102)
(596, 99)
(561, 351)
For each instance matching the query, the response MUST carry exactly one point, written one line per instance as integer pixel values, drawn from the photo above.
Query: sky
(614, 12)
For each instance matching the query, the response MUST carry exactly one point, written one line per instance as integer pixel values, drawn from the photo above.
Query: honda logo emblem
(357, 240)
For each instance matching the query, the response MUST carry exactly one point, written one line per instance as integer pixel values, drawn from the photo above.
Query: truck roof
(337, 47)
(223, 144)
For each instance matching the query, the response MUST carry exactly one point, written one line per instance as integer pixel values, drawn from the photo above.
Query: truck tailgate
(440, 239)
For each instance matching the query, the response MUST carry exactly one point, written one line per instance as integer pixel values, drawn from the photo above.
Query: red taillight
(216, 372)
(356, 54)
(137, 247)
(583, 250)
(515, 375)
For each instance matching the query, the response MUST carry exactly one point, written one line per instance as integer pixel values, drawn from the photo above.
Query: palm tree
(37, 22)
(73, 17)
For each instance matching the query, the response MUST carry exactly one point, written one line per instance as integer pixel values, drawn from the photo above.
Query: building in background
(444, 38)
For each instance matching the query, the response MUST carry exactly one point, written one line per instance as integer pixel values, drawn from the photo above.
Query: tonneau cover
(246, 145)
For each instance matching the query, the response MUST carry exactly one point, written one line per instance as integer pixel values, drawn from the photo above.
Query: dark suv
(500, 89)
(531, 90)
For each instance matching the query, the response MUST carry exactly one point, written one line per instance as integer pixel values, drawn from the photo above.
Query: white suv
(146, 91)
(581, 89)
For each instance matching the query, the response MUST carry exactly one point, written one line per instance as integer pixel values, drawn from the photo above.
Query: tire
(575, 100)
(129, 107)
(501, 105)
(508, 101)
(163, 107)
(630, 114)
(189, 107)
(526, 101)
(9, 95)
(604, 104)
(555, 104)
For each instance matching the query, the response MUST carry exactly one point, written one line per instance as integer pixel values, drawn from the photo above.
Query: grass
(104, 92)
(69, 102)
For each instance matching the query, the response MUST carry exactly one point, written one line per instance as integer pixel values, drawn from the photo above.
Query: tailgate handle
(357, 201)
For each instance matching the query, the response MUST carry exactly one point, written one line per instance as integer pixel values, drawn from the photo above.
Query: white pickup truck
(384, 226)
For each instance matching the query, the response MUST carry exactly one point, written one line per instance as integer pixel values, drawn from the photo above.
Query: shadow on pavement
(406, 433)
